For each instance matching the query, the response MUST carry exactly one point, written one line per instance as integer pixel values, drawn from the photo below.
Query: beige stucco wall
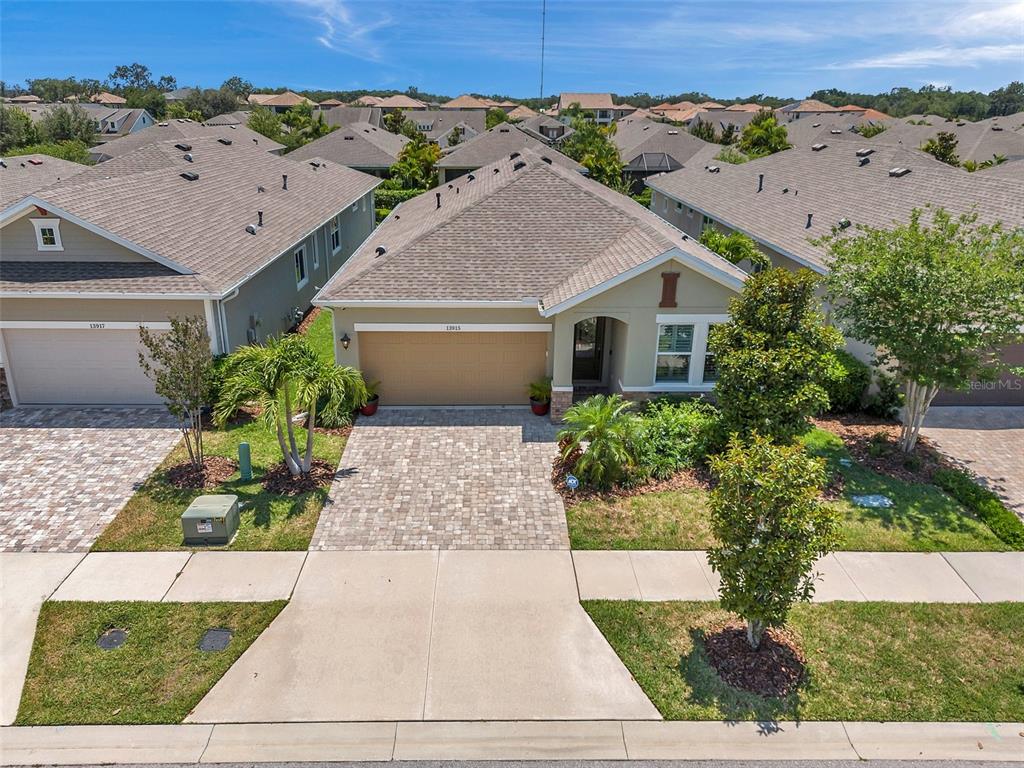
(635, 304)
(103, 310)
(18, 243)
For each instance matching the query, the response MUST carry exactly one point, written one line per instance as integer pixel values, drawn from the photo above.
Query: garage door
(77, 367)
(1008, 389)
(464, 368)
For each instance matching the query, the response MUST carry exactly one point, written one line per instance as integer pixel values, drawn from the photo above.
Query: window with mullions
(675, 350)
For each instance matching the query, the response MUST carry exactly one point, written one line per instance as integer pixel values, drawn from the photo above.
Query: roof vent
(863, 160)
(713, 169)
(255, 140)
(183, 147)
(188, 157)
(670, 133)
(808, 224)
(835, 131)
(785, 190)
(760, 182)
(349, 138)
(864, 152)
(997, 127)
(380, 250)
(818, 147)
(470, 177)
(259, 218)
(162, 125)
(815, 125)
(34, 161)
(261, 188)
(546, 159)
(513, 156)
(898, 172)
(315, 164)
(503, 130)
(518, 165)
(497, 170)
(844, 223)
(225, 142)
(190, 176)
(284, 181)
(250, 228)
(438, 196)
(451, 186)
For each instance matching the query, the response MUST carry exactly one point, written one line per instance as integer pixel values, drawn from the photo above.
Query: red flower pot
(371, 406)
(540, 407)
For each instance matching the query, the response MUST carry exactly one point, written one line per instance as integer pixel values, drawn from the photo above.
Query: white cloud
(990, 19)
(943, 55)
(341, 30)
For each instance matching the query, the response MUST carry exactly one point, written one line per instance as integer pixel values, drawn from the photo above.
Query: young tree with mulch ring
(937, 300)
(180, 364)
(766, 513)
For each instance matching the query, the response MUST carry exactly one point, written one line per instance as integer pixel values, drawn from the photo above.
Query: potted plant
(540, 396)
(372, 399)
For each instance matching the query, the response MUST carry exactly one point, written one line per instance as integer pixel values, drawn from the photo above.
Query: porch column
(561, 368)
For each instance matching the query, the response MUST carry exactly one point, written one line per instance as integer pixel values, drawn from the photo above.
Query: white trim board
(412, 304)
(87, 325)
(456, 327)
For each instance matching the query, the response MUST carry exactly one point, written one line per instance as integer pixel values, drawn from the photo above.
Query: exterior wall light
(345, 341)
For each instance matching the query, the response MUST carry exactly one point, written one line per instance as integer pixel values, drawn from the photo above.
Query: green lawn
(321, 335)
(150, 520)
(924, 519)
(865, 661)
(157, 676)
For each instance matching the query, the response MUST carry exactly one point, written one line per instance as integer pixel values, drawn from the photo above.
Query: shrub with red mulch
(775, 670)
(279, 481)
(216, 470)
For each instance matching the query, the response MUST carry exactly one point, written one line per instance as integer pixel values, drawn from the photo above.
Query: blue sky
(726, 48)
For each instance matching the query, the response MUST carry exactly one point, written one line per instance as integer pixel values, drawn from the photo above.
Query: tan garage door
(77, 367)
(466, 368)
(1008, 389)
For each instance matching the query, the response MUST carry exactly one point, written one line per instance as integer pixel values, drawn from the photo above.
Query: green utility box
(210, 520)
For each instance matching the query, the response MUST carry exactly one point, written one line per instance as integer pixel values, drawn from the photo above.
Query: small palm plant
(600, 429)
(283, 377)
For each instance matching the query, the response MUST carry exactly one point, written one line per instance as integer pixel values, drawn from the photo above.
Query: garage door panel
(77, 367)
(468, 368)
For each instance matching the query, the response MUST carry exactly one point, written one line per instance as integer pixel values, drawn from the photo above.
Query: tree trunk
(918, 399)
(291, 431)
(307, 462)
(289, 460)
(755, 631)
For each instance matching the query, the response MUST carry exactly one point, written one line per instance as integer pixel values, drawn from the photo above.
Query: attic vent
(513, 156)
(225, 142)
(898, 172)
(670, 133)
(818, 147)
(349, 138)
(835, 131)
(183, 147)
(380, 250)
(844, 223)
(188, 157)
(864, 152)
(190, 176)
(518, 165)
(546, 160)
(863, 160)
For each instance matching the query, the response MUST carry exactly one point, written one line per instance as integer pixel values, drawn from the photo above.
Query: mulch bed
(303, 325)
(873, 443)
(216, 470)
(279, 481)
(774, 670)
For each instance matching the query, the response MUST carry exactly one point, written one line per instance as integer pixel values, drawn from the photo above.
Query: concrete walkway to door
(419, 478)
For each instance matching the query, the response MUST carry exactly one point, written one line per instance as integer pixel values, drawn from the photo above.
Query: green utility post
(244, 461)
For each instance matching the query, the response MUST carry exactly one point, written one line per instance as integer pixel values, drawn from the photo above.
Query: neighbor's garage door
(461, 368)
(1008, 389)
(77, 367)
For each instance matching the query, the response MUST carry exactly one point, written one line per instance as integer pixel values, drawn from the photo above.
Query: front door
(588, 350)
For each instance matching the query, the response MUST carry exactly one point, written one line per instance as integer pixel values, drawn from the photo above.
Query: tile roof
(586, 100)
(832, 186)
(331, 103)
(22, 175)
(808, 105)
(200, 224)
(465, 101)
(400, 101)
(501, 141)
(521, 112)
(516, 230)
(108, 98)
(368, 101)
(748, 107)
(359, 145)
(178, 129)
(645, 137)
(286, 99)
(96, 277)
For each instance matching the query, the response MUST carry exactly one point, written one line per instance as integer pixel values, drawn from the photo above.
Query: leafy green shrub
(674, 435)
(732, 156)
(887, 401)
(540, 390)
(846, 379)
(600, 430)
(985, 504)
(644, 198)
(772, 527)
(389, 198)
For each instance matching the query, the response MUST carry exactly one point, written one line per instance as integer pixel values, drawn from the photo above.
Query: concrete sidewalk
(950, 577)
(581, 740)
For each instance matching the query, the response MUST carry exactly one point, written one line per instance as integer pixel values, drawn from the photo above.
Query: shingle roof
(501, 141)
(179, 93)
(200, 225)
(515, 230)
(639, 137)
(24, 174)
(359, 145)
(585, 100)
(442, 122)
(975, 141)
(832, 186)
(533, 126)
(400, 101)
(238, 117)
(181, 129)
(347, 115)
(95, 277)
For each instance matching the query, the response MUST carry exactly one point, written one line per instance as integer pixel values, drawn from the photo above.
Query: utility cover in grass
(157, 676)
(872, 501)
(215, 640)
(111, 639)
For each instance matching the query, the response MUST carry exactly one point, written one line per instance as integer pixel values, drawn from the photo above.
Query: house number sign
(453, 327)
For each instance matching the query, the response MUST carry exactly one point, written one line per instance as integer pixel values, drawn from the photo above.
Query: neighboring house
(598, 104)
(179, 94)
(869, 114)
(520, 112)
(546, 128)
(437, 124)
(109, 122)
(465, 102)
(22, 175)
(786, 200)
(504, 140)
(465, 295)
(107, 99)
(807, 107)
(647, 148)
(26, 98)
(367, 101)
(239, 117)
(329, 104)
(340, 116)
(748, 107)
(182, 129)
(360, 145)
(278, 102)
(399, 101)
(237, 236)
(975, 141)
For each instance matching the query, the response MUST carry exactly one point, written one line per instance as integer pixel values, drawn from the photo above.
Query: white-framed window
(664, 205)
(316, 252)
(48, 234)
(355, 206)
(705, 222)
(689, 212)
(335, 235)
(679, 207)
(682, 361)
(675, 350)
(301, 276)
(710, 374)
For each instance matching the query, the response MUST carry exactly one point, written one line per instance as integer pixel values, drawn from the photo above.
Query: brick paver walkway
(445, 479)
(66, 472)
(988, 441)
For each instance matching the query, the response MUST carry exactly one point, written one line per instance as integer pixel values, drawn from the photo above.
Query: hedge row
(985, 504)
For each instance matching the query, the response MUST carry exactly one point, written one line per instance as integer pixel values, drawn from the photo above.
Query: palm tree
(600, 427)
(282, 377)
(764, 136)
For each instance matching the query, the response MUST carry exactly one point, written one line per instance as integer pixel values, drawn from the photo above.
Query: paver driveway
(445, 479)
(988, 441)
(66, 472)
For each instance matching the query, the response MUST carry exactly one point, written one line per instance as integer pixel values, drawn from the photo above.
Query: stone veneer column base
(560, 403)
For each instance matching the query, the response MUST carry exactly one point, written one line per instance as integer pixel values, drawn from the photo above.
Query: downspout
(224, 319)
